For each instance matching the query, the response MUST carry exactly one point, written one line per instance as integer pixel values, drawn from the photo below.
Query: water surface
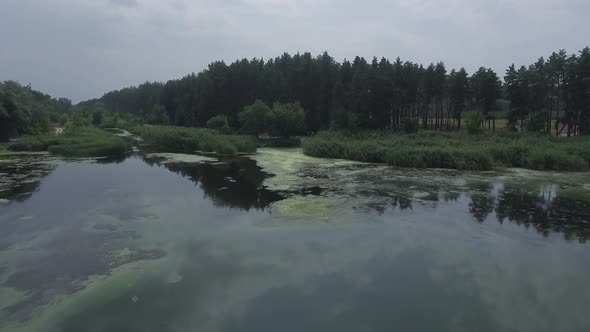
(278, 241)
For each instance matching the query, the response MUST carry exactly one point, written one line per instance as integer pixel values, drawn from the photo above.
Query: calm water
(282, 242)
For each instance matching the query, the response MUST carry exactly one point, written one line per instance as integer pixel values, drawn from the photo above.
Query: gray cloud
(83, 48)
(126, 3)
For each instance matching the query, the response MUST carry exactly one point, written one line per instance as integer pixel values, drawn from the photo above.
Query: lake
(278, 241)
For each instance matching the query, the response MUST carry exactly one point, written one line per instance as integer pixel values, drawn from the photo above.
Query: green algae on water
(307, 208)
(181, 158)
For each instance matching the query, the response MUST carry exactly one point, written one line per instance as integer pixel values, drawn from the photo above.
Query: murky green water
(177, 243)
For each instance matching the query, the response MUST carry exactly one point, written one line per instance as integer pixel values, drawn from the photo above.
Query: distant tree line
(552, 94)
(549, 95)
(24, 111)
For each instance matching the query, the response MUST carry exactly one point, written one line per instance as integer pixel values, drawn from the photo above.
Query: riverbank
(190, 140)
(76, 142)
(454, 150)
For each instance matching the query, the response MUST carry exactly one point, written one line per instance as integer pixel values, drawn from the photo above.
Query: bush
(183, 139)
(158, 115)
(553, 159)
(76, 142)
(286, 120)
(34, 143)
(453, 150)
(473, 122)
(218, 122)
(535, 124)
(279, 142)
(253, 118)
(410, 126)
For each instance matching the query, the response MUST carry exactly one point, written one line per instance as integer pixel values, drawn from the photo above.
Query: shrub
(553, 159)
(279, 142)
(33, 143)
(286, 120)
(473, 122)
(535, 124)
(76, 142)
(218, 122)
(183, 139)
(253, 118)
(453, 150)
(410, 126)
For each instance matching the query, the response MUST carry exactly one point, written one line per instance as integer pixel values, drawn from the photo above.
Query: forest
(363, 106)
(551, 95)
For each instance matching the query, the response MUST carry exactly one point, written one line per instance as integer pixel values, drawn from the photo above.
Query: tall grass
(76, 142)
(183, 139)
(279, 142)
(454, 150)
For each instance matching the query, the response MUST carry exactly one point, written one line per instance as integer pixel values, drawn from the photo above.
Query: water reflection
(238, 182)
(222, 289)
(410, 244)
(481, 206)
(232, 182)
(546, 212)
(20, 177)
(395, 295)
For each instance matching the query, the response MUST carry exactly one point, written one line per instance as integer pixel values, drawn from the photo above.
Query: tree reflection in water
(232, 182)
(546, 211)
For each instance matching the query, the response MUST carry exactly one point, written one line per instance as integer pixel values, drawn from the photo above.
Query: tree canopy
(26, 111)
(550, 95)
(375, 94)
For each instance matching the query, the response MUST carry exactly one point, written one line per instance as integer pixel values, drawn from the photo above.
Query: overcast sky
(81, 49)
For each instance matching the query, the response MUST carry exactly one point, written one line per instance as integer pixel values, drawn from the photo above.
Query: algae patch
(180, 158)
(293, 170)
(306, 208)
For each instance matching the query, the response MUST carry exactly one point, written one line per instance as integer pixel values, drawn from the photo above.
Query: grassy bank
(454, 150)
(183, 139)
(77, 142)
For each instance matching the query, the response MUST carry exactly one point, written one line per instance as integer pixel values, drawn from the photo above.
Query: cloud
(126, 3)
(83, 48)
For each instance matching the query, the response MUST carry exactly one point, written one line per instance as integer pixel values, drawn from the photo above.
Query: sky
(81, 49)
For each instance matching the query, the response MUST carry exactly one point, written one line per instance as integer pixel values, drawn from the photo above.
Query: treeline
(551, 94)
(380, 94)
(26, 111)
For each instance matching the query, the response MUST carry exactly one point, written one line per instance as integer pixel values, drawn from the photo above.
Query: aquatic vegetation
(454, 151)
(218, 249)
(21, 173)
(579, 194)
(10, 153)
(76, 142)
(180, 157)
(183, 139)
(34, 143)
(281, 142)
(71, 262)
(221, 179)
(306, 208)
(292, 170)
(97, 291)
